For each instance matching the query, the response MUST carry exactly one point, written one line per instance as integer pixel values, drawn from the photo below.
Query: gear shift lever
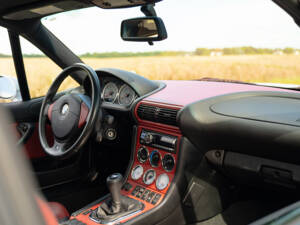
(114, 183)
(116, 206)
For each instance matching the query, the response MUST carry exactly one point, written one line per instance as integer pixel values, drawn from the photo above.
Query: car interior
(124, 149)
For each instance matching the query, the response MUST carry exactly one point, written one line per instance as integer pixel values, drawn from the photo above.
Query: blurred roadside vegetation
(246, 50)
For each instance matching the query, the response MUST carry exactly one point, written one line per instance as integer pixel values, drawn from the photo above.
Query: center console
(149, 177)
(154, 165)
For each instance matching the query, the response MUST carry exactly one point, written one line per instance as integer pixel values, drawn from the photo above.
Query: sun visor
(111, 4)
(45, 10)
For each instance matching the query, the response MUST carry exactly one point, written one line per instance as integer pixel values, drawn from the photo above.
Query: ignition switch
(111, 134)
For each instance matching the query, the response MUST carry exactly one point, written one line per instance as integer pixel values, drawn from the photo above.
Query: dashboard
(247, 132)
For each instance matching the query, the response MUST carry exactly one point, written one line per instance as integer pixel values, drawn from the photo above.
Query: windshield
(245, 40)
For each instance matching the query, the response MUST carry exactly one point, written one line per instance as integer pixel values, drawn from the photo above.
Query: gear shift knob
(116, 206)
(114, 183)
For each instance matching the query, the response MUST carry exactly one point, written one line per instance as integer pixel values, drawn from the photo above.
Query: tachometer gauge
(126, 95)
(149, 177)
(162, 181)
(110, 92)
(137, 172)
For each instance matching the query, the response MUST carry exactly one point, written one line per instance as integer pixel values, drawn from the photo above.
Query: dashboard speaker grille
(157, 114)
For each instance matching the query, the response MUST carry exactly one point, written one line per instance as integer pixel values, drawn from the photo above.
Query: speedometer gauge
(126, 95)
(110, 92)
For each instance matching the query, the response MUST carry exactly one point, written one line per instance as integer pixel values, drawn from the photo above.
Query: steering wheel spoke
(58, 147)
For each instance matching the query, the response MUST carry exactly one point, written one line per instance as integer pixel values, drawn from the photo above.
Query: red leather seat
(46, 211)
(53, 211)
(60, 212)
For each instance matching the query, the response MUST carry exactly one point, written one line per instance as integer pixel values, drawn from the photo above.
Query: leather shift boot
(109, 212)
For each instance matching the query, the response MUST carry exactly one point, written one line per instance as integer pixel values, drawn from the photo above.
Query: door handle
(26, 130)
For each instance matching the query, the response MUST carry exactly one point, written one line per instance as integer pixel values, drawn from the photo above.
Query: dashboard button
(127, 187)
(145, 195)
(150, 196)
(156, 199)
(136, 190)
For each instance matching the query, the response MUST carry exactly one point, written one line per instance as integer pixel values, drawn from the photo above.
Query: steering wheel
(72, 116)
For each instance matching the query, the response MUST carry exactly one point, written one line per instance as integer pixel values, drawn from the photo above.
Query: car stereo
(158, 140)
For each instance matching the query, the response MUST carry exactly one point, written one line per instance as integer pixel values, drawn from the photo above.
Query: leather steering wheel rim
(60, 149)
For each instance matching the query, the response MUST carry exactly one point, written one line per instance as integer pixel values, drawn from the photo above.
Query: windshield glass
(245, 40)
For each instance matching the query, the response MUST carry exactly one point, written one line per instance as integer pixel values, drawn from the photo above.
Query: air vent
(157, 114)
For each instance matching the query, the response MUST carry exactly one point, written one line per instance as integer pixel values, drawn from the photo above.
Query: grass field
(253, 68)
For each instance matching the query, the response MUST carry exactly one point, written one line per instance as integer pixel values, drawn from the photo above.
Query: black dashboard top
(264, 124)
(120, 89)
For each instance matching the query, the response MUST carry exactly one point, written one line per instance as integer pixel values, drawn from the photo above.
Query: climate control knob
(168, 162)
(142, 154)
(155, 158)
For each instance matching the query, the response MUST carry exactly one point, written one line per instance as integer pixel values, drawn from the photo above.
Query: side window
(41, 71)
(9, 90)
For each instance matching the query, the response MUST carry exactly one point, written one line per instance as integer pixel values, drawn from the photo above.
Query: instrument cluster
(117, 92)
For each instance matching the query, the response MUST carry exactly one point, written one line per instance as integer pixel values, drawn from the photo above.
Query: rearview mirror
(146, 29)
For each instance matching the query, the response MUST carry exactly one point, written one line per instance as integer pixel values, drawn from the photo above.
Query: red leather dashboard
(181, 93)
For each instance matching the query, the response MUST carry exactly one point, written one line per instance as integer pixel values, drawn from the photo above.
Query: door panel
(28, 137)
(27, 113)
(49, 171)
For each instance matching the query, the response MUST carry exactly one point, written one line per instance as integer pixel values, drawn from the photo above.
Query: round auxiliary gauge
(155, 158)
(142, 154)
(126, 95)
(137, 172)
(162, 181)
(168, 162)
(149, 177)
(110, 92)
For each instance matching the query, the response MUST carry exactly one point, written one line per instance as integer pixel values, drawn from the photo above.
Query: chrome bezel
(105, 87)
(121, 89)
(145, 176)
(160, 158)
(137, 155)
(134, 170)
(162, 162)
(158, 180)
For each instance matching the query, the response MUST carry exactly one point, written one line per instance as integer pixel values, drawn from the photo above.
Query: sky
(190, 24)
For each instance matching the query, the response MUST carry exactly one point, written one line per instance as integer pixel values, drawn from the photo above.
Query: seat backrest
(18, 190)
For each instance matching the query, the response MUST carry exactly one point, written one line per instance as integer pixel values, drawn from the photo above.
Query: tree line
(199, 51)
(247, 50)
(131, 54)
(112, 54)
